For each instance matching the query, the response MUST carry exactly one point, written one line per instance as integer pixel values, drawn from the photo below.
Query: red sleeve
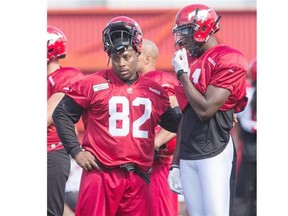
(83, 90)
(62, 79)
(227, 74)
(230, 73)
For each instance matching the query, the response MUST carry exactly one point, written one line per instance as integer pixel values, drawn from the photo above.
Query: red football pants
(115, 192)
(164, 202)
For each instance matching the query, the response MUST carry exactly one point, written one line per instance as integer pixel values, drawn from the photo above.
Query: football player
(120, 110)
(213, 88)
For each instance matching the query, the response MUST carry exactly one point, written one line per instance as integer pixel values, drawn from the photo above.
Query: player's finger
(95, 165)
(87, 167)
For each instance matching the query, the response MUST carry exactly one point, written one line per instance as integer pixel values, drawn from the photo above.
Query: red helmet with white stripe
(195, 23)
(56, 43)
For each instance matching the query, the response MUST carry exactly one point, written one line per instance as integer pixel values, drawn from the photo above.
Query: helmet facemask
(184, 37)
(118, 37)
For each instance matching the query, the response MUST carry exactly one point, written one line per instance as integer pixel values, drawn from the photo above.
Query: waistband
(130, 167)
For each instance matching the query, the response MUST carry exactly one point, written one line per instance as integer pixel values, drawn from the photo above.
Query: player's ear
(137, 55)
(148, 59)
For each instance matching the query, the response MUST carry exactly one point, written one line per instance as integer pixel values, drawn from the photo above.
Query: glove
(174, 180)
(180, 62)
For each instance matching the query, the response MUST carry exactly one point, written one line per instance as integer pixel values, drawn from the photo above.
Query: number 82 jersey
(120, 119)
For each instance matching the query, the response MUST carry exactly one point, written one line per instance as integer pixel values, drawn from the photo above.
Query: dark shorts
(58, 168)
(71, 199)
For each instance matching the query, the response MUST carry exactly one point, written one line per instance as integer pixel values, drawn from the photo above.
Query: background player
(59, 80)
(120, 110)
(212, 90)
(163, 200)
(246, 187)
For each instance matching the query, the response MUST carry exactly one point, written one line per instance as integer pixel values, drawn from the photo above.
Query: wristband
(174, 166)
(179, 73)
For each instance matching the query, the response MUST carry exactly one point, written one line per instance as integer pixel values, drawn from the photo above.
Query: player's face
(124, 64)
(184, 38)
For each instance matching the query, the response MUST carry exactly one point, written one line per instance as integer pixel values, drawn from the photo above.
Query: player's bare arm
(162, 137)
(206, 105)
(176, 159)
(51, 104)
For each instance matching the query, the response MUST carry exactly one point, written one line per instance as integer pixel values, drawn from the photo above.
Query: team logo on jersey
(129, 91)
(155, 91)
(100, 86)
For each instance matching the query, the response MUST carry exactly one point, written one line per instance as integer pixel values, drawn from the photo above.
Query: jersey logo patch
(155, 91)
(100, 86)
(129, 91)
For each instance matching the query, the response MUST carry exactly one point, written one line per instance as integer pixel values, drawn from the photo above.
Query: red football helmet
(121, 32)
(195, 22)
(56, 43)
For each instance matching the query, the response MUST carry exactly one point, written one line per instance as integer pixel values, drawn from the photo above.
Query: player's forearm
(205, 106)
(176, 158)
(196, 100)
(162, 137)
(51, 104)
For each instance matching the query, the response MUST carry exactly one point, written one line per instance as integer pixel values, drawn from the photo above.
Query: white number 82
(124, 116)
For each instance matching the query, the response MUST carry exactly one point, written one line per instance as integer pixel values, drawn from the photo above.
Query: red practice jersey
(59, 81)
(120, 119)
(220, 66)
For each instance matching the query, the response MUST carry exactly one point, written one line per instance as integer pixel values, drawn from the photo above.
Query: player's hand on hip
(174, 180)
(180, 61)
(87, 161)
